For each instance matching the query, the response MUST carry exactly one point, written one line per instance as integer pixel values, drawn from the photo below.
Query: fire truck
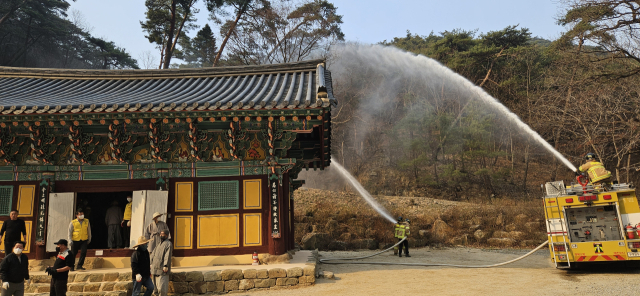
(589, 223)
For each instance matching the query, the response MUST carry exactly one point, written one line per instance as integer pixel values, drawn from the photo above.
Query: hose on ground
(338, 260)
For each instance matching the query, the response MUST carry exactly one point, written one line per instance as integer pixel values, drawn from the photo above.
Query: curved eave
(283, 86)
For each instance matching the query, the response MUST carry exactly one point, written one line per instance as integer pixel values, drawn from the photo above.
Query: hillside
(342, 220)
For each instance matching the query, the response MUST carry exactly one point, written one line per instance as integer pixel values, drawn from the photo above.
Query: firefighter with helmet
(405, 243)
(595, 169)
(397, 228)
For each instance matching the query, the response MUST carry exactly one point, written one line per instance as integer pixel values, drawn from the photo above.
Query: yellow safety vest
(127, 212)
(399, 231)
(595, 170)
(80, 231)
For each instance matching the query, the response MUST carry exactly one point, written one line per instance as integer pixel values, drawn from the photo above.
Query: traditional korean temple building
(217, 149)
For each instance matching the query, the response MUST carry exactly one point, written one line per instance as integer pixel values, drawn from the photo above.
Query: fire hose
(329, 260)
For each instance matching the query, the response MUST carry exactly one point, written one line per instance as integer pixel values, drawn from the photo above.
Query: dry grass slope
(348, 220)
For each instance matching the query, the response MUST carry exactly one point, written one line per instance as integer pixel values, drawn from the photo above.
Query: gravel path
(534, 275)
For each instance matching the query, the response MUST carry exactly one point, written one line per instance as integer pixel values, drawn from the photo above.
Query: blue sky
(368, 21)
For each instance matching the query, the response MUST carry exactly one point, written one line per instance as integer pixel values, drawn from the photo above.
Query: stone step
(84, 277)
(36, 288)
(113, 293)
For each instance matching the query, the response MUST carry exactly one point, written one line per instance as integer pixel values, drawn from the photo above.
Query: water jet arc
(363, 192)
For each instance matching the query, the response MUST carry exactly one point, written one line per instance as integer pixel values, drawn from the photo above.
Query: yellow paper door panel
(253, 229)
(252, 194)
(184, 196)
(218, 231)
(26, 193)
(183, 232)
(27, 240)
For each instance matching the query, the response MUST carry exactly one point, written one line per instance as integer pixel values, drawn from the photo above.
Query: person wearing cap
(126, 223)
(80, 237)
(141, 268)
(14, 270)
(113, 220)
(161, 264)
(59, 272)
(152, 232)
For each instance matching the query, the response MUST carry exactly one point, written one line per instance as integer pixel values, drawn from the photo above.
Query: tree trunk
(241, 11)
(513, 159)
(26, 43)
(628, 164)
(172, 27)
(526, 167)
(11, 11)
(184, 20)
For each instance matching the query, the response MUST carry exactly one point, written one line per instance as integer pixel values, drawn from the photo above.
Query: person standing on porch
(152, 232)
(80, 237)
(11, 231)
(126, 222)
(113, 220)
(161, 264)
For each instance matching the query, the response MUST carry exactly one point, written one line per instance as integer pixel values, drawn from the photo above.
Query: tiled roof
(279, 86)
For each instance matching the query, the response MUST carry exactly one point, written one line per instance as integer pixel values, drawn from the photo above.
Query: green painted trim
(111, 167)
(233, 163)
(105, 175)
(30, 176)
(237, 197)
(10, 187)
(218, 172)
(6, 177)
(7, 168)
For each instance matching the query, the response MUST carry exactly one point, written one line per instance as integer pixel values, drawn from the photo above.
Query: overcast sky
(367, 21)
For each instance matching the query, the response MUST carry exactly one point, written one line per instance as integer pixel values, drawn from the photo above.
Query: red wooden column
(277, 245)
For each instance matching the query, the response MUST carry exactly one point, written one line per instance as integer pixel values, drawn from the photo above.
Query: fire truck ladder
(550, 233)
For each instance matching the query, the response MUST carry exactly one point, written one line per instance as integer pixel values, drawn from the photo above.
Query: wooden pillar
(39, 232)
(284, 219)
(276, 242)
(292, 244)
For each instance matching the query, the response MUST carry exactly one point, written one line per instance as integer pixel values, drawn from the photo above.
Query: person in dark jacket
(141, 268)
(11, 231)
(14, 270)
(59, 272)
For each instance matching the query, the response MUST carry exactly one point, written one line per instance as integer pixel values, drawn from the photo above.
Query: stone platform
(189, 281)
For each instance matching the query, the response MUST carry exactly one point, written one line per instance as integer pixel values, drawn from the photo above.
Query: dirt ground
(534, 275)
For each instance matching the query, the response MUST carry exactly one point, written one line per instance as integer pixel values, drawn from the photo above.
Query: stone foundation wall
(222, 281)
(183, 283)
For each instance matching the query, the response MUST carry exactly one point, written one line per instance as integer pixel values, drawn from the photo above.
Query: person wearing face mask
(161, 264)
(141, 268)
(126, 223)
(59, 272)
(152, 232)
(80, 236)
(11, 231)
(14, 270)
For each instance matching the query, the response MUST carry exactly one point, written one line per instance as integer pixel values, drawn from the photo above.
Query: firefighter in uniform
(405, 243)
(596, 171)
(397, 228)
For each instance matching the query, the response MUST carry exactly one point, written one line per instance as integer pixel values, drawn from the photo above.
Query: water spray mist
(397, 65)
